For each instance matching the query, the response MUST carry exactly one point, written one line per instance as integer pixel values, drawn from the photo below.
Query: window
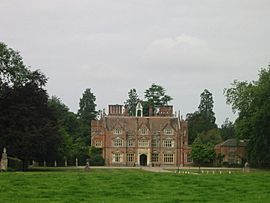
(117, 157)
(98, 143)
(130, 143)
(143, 131)
(118, 143)
(155, 157)
(130, 157)
(168, 131)
(117, 131)
(155, 143)
(168, 143)
(168, 158)
(143, 143)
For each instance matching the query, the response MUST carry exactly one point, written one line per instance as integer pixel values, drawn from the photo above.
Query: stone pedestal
(4, 160)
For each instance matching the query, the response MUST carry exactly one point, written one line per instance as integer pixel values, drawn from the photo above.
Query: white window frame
(117, 131)
(117, 158)
(168, 158)
(130, 143)
(143, 143)
(155, 157)
(130, 157)
(168, 131)
(168, 143)
(143, 131)
(98, 143)
(118, 142)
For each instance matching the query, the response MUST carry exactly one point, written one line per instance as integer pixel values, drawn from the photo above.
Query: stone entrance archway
(143, 160)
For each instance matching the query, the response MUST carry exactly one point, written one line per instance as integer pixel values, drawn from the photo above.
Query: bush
(96, 158)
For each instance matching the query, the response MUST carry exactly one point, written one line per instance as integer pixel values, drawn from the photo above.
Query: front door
(143, 160)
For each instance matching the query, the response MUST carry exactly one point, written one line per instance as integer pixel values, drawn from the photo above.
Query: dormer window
(168, 131)
(117, 131)
(143, 131)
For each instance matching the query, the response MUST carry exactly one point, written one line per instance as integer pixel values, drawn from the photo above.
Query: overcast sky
(112, 46)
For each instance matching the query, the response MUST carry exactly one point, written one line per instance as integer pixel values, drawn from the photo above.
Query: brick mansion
(156, 140)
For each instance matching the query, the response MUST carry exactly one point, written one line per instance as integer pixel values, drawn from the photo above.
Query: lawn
(123, 185)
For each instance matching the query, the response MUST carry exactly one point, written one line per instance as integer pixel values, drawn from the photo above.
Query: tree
(67, 119)
(211, 136)
(206, 106)
(156, 96)
(202, 154)
(14, 73)
(87, 111)
(252, 102)
(28, 126)
(202, 120)
(197, 124)
(227, 130)
(69, 128)
(132, 102)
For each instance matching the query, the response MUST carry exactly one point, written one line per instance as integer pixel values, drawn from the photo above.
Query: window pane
(168, 158)
(154, 157)
(143, 143)
(130, 157)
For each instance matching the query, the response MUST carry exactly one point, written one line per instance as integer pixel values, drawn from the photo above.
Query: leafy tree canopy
(87, 110)
(202, 154)
(206, 106)
(197, 123)
(227, 130)
(203, 120)
(132, 102)
(156, 96)
(13, 72)
(252, 102)
(28, 126)
(211, 136)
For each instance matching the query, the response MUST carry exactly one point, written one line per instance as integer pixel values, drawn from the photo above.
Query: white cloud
(182, 52)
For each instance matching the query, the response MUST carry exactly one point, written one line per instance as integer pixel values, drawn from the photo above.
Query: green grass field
(116, 186)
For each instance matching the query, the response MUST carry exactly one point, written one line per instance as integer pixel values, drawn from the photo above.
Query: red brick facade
(232, 151)
(146, 141)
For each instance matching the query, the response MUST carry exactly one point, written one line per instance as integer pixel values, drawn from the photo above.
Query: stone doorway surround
(143, 160)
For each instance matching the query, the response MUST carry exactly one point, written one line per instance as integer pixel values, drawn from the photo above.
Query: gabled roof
(234, 143)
